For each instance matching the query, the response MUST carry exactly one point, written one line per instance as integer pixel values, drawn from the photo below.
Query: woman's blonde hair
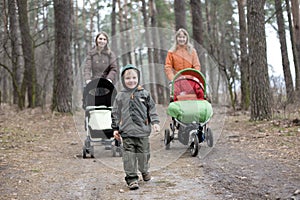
(189, 46)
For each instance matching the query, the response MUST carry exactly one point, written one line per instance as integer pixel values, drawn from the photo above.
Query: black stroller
(97, 103)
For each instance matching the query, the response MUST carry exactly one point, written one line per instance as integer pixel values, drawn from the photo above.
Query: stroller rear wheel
(194, 147)
(84, 152)
(167, 138)
(88, 148)
(92, 152)
(209, 137)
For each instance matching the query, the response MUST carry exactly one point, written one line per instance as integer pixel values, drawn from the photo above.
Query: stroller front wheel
(194, 147)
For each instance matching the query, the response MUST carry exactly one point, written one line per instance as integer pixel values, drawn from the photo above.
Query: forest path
(40, 158)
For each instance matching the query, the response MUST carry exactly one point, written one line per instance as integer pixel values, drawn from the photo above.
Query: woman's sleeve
(88, 68)
(169, 66)
(113, 67)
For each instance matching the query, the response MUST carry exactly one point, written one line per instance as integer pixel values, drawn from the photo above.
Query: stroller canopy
(189, 94)
(189, 83)
(99, 92)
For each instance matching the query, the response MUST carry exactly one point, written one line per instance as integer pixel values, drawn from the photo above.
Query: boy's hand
(117, 135)
(156, 128)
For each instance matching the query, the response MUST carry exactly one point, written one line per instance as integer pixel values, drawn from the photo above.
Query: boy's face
(131, 78)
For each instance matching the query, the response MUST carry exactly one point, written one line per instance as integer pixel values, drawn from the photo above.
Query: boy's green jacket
(133, 113)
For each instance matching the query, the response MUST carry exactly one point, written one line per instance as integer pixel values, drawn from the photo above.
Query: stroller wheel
(209, 137)
(114, 151)
(167, 139)
(84, 152)
(120, 152)
(87, 144)
(194, 147)
(92, 152)
(116, 148)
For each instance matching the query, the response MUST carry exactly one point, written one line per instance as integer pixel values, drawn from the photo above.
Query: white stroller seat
(100, 119)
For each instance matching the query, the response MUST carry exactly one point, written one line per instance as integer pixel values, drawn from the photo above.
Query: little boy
(132, 115)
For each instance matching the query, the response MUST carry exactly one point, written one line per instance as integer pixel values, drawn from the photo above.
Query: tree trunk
(155, 49)
(285, 59)
(29, 78)
(146, 71)
(122, 36)
(164, 93)
(296, 31)
(128, 36)
(15, 52)
(88, 43)
(147, 35)
(212, 47)
(63, 82)
(180, 16)
(114, 43)
(198, 30)
(259, 78)
(244, 64)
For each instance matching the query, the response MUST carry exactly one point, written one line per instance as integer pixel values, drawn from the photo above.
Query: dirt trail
(40, 158)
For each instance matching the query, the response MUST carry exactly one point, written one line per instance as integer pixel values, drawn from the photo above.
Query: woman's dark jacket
(100, 65)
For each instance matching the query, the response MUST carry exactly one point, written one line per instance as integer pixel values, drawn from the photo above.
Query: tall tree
(114, 43)
(4, 41)
(197, 29)
(259, 78)
(122, 33)
(284, 53)
(29, 78)
(212, 46)
(155, 49)
(244, 65)
(295, 38)
(180, 16)
(63, 81)
(148, 40)
(15, 52)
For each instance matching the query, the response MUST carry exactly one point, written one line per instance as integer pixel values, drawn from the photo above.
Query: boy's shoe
(146, 177)
(133, 185)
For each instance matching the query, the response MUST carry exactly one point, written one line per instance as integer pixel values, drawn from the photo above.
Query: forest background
(44, 44)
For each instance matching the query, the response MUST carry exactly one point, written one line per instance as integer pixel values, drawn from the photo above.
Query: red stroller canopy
(188, 84)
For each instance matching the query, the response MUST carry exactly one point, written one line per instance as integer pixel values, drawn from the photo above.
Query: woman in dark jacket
(100, 61)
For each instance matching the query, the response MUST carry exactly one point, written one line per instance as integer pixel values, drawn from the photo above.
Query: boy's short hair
(129, 71)
(129, 66)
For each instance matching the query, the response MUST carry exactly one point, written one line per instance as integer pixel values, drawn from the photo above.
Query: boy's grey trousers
(136, 155)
